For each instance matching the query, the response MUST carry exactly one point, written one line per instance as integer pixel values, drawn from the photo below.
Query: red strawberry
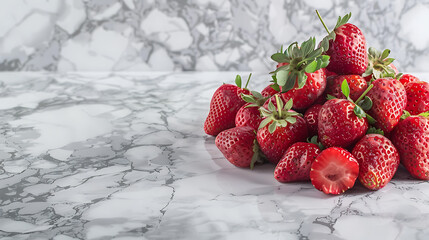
(338, 125)
(411, 138)
(225, 103)
(347, 48)
(407, 78)
(311, 118)
(238, 145)
(304, 97)
(269, 91)
(379, 65)
(300, 73)
(248, 116)
(378, 160)
(329, 73)
(280, 129)
(417, 97)
(334, 171)
(296, 162)
(389, 100)
(356, 83)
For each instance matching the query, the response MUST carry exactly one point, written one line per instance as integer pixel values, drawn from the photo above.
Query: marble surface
(124, 156)
(203, 35)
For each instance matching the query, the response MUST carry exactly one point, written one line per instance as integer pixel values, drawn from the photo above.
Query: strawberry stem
(364, 93)
(324, 25)
(248, 79)
(278, 105)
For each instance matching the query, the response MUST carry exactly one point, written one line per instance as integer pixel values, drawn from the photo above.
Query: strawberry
(379, 65)
(411, 138)
(356, 83)
(280, 129)
(296, 162)
(389, 100)
(407, 78)
(224, 105)
(338, 124)
(269, 91)
(300, 73)
(238, 145)
(329, 73)
(334, 171)
(311, 118)
(347, 47)
(417, 97)
(304, 97)
(249, 114)
(378, 160)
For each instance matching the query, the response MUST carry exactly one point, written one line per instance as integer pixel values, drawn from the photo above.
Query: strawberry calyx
(331, 34)
(315, 140)
(374, 130)
(238, 81)
(406, 114)
(278, 117)
(379, 65)
(362, 104)
(255, 99)
(257, 156)
(299, 61)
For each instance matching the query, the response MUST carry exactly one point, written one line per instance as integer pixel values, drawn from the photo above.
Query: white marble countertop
(124, 156)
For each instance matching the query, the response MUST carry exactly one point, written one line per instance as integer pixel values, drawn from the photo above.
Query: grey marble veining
(202, 35)
(124, 156)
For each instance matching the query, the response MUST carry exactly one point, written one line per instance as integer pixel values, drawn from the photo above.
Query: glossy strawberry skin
(348, 52)
(248, 116)
(378, 160)
(338, 125)
(307, 95)
(389, 100)
(357, 85)
(296, 163)
(411, 138)
(407, 78)
(268, 91)
(334, 171)
(274, 145)
(236, 144)
(417, 97)
(311, 117)
(224, 105)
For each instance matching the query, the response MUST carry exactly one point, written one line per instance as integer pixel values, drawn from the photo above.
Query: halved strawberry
(334, 171)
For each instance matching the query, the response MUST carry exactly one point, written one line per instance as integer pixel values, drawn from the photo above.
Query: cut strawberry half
(334, 171)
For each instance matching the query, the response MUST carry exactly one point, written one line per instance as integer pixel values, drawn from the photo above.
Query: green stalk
(278, 105)
(364, 93)
(248, 79)
(324, 25)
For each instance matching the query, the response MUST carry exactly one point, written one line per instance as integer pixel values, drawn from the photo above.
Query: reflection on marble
(204, 35)
(124, 156)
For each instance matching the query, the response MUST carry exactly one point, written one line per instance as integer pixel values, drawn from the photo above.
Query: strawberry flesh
(334, 171)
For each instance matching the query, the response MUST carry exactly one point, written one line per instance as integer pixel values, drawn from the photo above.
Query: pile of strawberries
(333, 113)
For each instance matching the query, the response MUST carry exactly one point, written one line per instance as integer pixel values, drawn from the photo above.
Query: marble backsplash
(202, 35)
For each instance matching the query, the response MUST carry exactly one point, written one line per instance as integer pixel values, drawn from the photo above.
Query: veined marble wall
(207, 35)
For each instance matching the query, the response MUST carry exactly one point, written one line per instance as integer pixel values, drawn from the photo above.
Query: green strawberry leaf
(280, 58)
(272, 127)
(289, 104)
(302, 79)
(359, 112)
(238, 81)
(292, 120)
(385, 53)
(345, 89)
(264, 122)
(405, 114)
(311, 67)
(282, 77)
(330, 97)
(366, 103)
(256, 94)
(343, 20)
(248, 98)
(276, 87)
(271, 107)
(424, 114)
(375, 131)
